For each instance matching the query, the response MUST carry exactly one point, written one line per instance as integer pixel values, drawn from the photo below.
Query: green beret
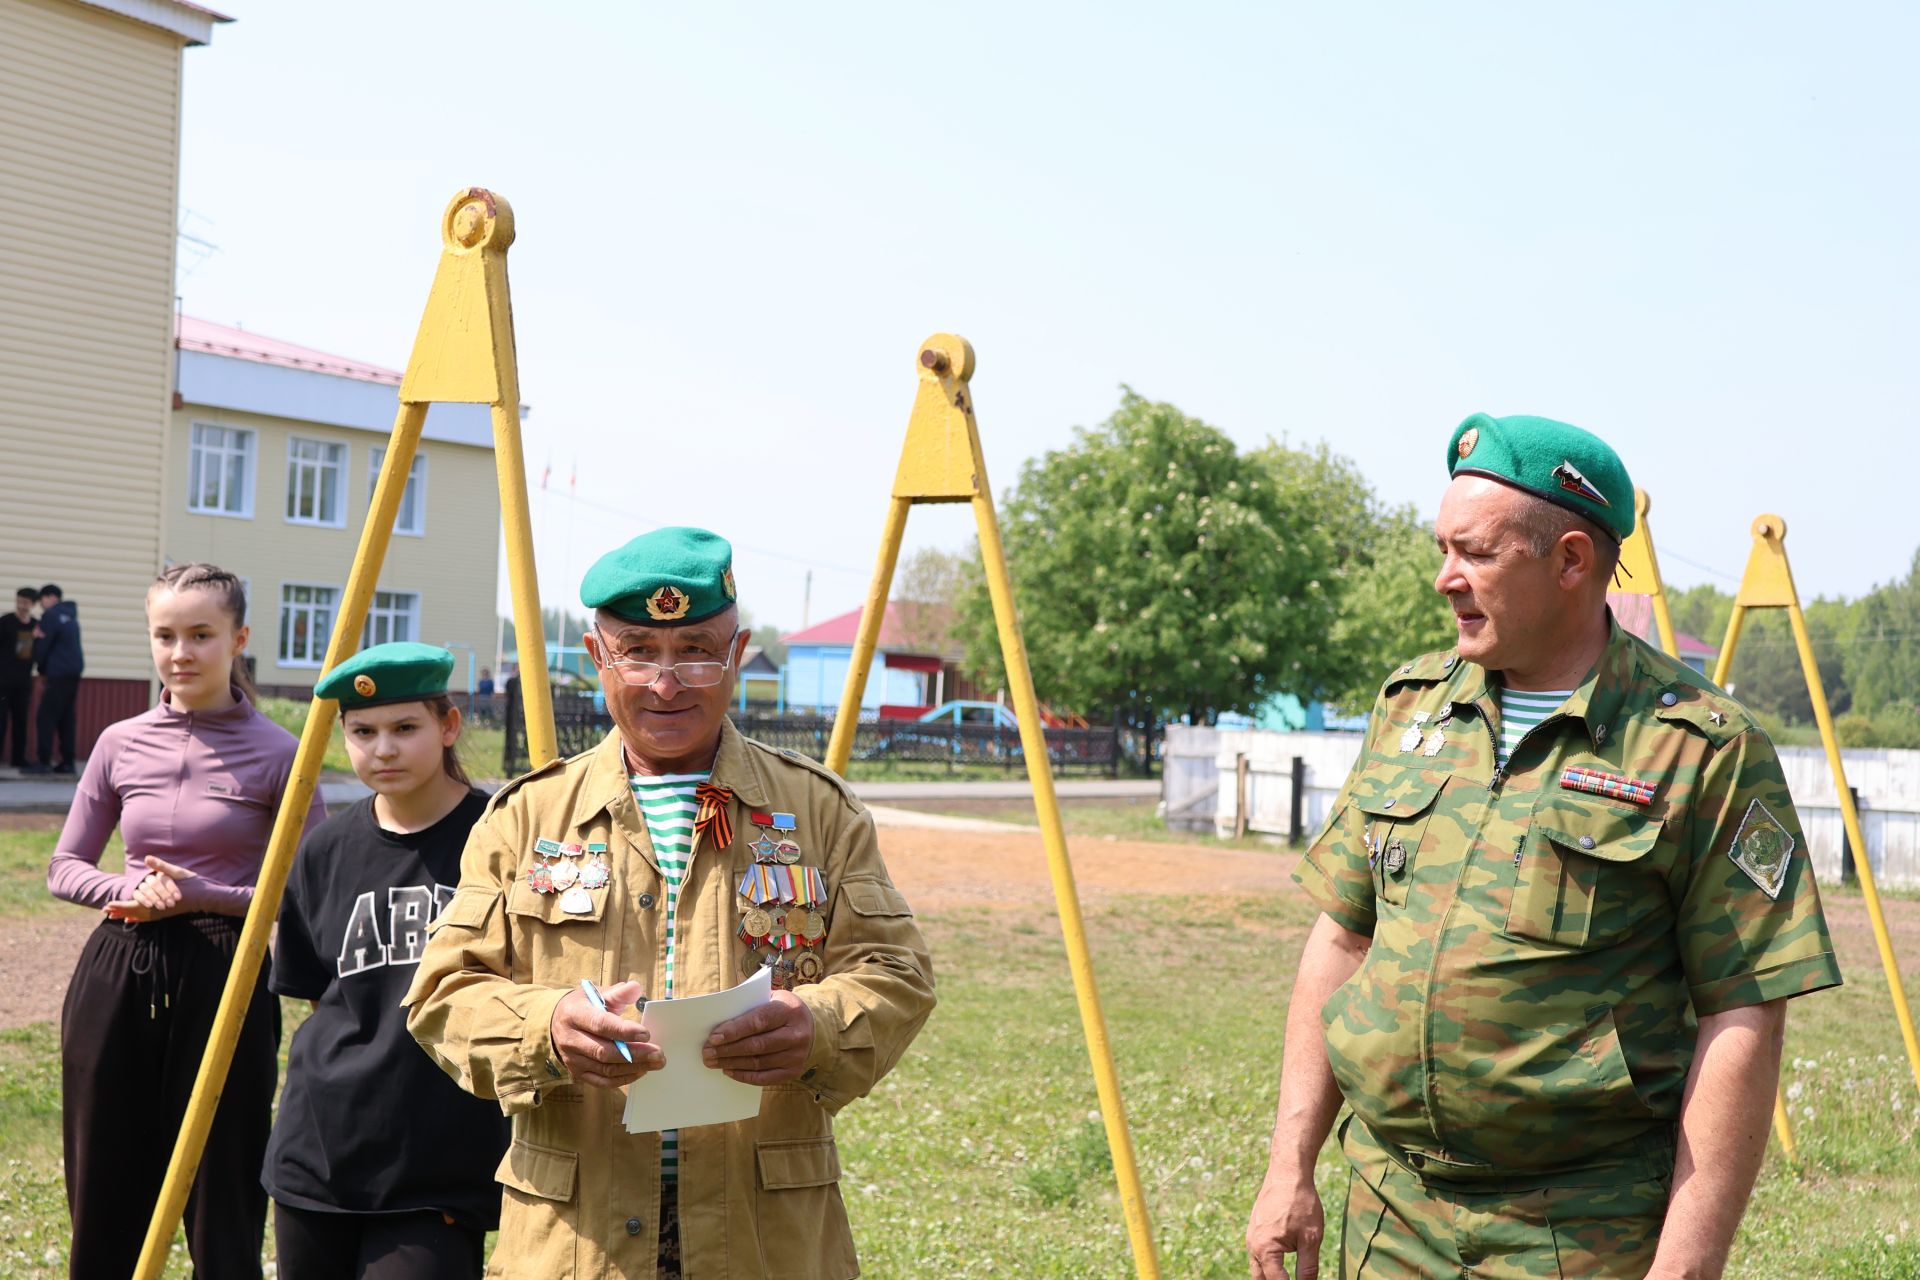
(388, 673)
(671, 577)
(1568, 467)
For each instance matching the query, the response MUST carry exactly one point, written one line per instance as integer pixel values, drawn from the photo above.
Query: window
(412, 515)
(220, 471)
(306, 623)
(395, 615)
(315, 469)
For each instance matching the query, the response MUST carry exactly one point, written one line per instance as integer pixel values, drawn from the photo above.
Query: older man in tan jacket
(670, 861)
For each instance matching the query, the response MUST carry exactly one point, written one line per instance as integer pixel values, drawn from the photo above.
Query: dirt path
(937, 870)
(37, 954)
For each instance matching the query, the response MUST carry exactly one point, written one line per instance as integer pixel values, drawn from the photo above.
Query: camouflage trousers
(1398, 1225)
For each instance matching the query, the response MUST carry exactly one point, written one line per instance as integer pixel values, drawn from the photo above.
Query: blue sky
(1688, 228)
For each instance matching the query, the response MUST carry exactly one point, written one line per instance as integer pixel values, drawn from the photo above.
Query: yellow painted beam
(464, 353)
(1768, 584)
(287, 824)
(1641, 567)
(941, 462)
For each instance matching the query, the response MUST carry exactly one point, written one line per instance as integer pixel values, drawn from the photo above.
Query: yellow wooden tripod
(1768, 584)
(463, 354)
(941, 462)
(1642, 569)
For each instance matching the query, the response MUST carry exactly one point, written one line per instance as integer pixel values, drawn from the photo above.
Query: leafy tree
(1883, 656)
(1160, 573)
(1389, 610)
(929, 588)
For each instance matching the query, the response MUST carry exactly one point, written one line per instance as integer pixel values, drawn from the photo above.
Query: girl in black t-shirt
(380, 1167)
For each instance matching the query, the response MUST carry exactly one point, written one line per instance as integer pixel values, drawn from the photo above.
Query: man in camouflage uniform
(1564, 900)
(671, 860)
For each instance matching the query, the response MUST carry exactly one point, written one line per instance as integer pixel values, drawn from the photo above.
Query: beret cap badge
(364, 686)
(666, 604)
(1468, 439)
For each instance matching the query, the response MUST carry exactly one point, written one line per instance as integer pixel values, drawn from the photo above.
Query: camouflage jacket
(1545, 936)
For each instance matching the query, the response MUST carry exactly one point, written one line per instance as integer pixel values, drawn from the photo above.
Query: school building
(272, 454)
(90, 93)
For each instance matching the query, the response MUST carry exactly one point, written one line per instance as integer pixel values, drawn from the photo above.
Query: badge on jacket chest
(573, 870)
(782, 905)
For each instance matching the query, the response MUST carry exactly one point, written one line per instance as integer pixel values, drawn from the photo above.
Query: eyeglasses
(694, 675)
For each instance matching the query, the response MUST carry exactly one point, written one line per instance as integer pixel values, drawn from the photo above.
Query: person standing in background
(16, 675)
(56, 651)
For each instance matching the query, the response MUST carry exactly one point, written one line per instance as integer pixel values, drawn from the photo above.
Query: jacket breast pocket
(1395, 812)
(559, 945)
(1579, 880)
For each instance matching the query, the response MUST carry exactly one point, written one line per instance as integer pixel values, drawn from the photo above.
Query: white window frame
(416, 489)
(377, 610)
(296, 465)
(249, 442)
(318, 652)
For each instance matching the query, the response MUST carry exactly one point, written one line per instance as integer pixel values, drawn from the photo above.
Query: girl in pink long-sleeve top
(193, 785)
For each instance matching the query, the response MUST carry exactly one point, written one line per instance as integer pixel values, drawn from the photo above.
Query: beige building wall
(451, 566)
(88, 161)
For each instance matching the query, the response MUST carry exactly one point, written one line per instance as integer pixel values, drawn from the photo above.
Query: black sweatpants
(56, 718)
(14, 697)
(316, 1245)
(137, 1019)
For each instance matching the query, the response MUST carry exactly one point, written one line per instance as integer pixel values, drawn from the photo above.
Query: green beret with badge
(1556, 461)
(670, 577)
(399, 672)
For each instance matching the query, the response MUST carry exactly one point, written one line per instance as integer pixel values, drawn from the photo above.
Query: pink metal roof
(194, 334)
(843, 629)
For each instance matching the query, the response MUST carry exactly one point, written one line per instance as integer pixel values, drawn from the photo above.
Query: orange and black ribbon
(713, 813)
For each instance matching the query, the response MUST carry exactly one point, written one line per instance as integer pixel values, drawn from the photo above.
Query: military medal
(540, 879)
(807, 967)
(795, 920)
(758, 922)
(816, 927)
(764, 849)
(594, 872)
(1396, 858)
(565, 875)
(787, 852)
(576, 901)
(1411, 738)
(1435, 741)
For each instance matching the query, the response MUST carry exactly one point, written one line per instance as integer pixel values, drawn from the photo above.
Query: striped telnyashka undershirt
(1520, 711)
(667, 803)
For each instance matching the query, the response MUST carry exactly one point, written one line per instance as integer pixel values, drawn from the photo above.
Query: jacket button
(1417, 1160)
(809, 1073)
(1668, 698)
(646, 902)
(1586, 842)
(633, 1226)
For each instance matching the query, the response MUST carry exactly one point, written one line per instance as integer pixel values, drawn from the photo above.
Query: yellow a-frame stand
(1642, 569)
(941, 462)
(1768, 584)
(463, 354)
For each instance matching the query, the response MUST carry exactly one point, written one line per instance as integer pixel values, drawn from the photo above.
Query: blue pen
(600, 1003)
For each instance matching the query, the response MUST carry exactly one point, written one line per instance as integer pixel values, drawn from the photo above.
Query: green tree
(1389, 610)
(929, 588)
(1883, 653)
(1161, 573)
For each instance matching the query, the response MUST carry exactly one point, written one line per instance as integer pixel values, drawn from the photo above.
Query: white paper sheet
(687, 1091)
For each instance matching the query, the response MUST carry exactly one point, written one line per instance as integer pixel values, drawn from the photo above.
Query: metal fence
(960, 748)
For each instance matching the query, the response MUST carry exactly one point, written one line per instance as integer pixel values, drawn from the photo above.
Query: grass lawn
(982, 1155)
